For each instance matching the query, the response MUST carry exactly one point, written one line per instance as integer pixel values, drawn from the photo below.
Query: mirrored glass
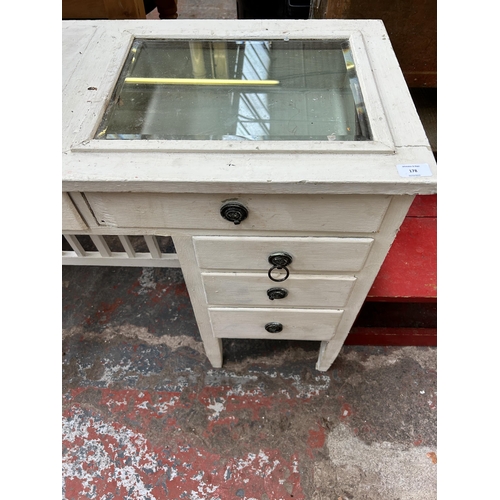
(248, 90)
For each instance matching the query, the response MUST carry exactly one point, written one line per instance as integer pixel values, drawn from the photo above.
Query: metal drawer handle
(276, 279)
(279, 260)
(274, 327)
(234, 212)
(277, 293)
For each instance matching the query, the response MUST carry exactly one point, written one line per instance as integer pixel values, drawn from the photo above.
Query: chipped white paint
(260, 463)
(243, 463)
(112, 373)
(285, 393)
(93, 451)
(236, 383)
(222, 377)
(146, 280)
(164, 406)
(238, 391)
(305, 390)
(111, 403)
(217, 407)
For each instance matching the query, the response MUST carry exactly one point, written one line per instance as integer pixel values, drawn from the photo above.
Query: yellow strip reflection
(198, 81)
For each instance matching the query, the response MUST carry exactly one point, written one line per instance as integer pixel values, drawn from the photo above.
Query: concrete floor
(145, 416)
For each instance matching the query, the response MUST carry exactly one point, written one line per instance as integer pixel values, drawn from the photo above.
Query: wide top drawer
(345, 213)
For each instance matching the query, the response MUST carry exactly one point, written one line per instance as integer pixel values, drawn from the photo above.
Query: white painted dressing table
(280, 156)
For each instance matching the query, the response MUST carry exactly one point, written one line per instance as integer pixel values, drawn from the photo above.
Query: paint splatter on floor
(145, 416)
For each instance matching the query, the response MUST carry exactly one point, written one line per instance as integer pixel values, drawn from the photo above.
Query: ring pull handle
(279, 260)
(278, 280)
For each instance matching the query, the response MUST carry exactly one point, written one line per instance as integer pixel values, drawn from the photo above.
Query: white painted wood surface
(353, 213)
(250, 289)
(320, 254)
(238, 166)
(118, 259)
(101, 245)
(127, 246)
(335, 207)
(192, 277)
(298, 324)
(78, 256)
(71, 219)
(392, 221)
(78, 250)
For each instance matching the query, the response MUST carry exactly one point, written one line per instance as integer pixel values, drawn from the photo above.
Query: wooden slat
(119, 259)
(153, 246)
(75, 245)
(127, 246)
(101, 245)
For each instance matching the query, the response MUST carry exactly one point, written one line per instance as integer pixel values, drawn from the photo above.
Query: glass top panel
(245, 90)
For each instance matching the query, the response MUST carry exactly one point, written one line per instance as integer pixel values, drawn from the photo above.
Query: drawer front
(251, 289)
(308, 253)
(71, 219)
(352, 213)
(298, 324)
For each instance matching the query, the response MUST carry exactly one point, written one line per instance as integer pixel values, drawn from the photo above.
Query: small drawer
(273, 212)
(328, 254)
(256, 289)
(297, 324)
(71, 219)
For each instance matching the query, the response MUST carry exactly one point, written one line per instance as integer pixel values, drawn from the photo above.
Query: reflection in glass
(237, 90)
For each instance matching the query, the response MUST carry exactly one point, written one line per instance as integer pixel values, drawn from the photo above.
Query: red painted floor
(145, 416)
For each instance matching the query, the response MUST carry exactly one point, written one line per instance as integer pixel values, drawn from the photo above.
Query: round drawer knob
(280, 259)
(274, 327)
(234, 212)
(277, 293)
